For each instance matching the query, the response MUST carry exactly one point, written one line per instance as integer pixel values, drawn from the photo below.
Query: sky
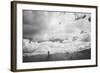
(46, 25)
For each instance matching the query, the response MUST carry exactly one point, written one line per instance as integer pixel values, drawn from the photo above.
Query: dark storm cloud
(44, 25)
(33, 22)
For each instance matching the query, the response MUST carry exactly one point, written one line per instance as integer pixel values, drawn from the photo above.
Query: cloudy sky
(46, 25)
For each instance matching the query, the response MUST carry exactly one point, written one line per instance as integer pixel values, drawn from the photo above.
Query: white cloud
(44, 25)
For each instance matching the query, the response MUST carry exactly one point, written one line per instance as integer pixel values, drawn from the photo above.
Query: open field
(80, 55)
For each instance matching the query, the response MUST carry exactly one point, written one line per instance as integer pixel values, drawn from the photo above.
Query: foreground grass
(80, 55)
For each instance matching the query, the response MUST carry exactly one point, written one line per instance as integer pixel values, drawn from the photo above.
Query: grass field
(80, 55)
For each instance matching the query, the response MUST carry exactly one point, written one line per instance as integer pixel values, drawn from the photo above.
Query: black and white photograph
(55, 36)
(47, 36)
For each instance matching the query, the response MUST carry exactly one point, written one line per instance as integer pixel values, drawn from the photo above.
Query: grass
(80, 55)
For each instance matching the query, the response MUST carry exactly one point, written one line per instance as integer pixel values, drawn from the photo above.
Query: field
(85, 54)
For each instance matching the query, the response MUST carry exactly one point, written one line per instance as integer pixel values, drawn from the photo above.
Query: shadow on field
(80, 55)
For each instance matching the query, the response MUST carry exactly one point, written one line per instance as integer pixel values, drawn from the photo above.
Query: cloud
(45, 25)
